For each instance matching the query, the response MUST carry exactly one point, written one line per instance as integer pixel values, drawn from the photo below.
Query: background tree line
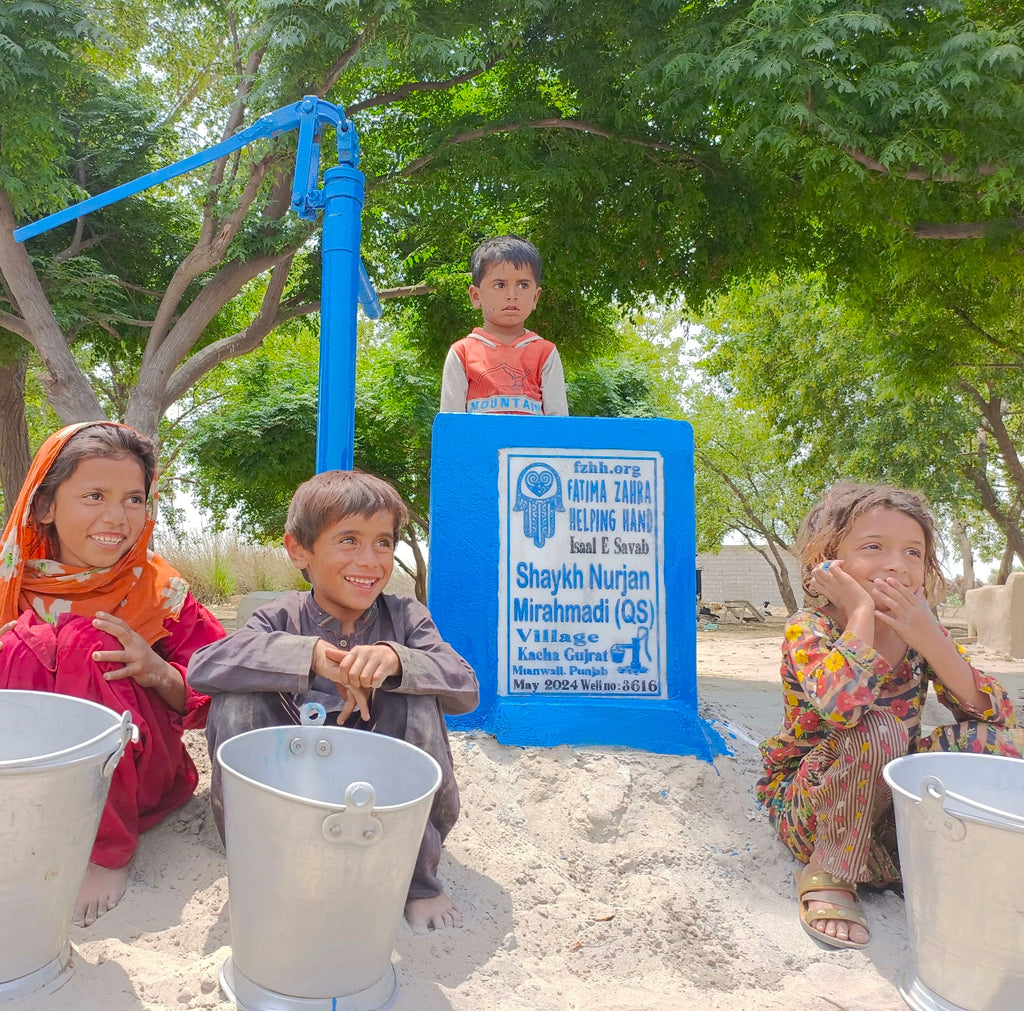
(832, 189)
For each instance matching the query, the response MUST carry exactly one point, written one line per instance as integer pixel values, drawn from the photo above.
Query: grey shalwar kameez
(260, 677)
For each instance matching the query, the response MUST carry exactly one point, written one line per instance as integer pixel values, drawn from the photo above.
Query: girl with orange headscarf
(87, 610)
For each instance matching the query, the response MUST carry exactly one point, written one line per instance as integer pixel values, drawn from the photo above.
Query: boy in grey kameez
(374, 660)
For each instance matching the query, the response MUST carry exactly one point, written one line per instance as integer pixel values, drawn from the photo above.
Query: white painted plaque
(581, 595)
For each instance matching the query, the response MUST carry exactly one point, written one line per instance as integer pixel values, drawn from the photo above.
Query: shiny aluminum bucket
(960, 826)
(57, 755)
(323, 825)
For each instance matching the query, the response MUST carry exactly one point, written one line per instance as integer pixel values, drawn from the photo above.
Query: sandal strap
(822, 881)
(847, 913)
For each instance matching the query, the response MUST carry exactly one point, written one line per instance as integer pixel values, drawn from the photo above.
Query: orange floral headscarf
(140, 588)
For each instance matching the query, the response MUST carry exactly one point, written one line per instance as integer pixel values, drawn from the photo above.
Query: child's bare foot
(820, 891)
(101, 890)
(432, 914)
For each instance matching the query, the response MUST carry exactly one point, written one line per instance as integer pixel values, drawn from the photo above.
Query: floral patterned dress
(845, 703)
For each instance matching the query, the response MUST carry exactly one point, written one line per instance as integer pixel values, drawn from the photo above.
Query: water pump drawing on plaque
(586, 631)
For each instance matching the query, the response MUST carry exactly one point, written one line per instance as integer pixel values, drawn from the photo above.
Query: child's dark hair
(832, 516)
(504, 249)
(331, 496)
(107, 440)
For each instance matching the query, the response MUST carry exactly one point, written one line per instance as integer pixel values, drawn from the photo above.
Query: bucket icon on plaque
(323, 826)
(57, 755)
(960, 824)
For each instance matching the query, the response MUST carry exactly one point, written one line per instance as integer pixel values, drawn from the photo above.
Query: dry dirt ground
(594, 878)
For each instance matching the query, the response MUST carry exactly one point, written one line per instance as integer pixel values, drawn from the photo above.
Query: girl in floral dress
(87, 610)
(855, 672)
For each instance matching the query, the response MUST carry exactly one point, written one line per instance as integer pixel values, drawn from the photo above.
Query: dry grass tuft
(219, 566)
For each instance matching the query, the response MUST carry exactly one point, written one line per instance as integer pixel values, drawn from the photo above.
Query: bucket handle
(129, 732)
(355, 825)
(932, 787)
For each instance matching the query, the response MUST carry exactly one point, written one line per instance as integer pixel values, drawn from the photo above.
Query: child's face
(883, 542)
(349, 564)
(99, 512)
(505, 296)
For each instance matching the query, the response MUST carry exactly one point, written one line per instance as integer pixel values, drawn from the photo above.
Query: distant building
(738, 572)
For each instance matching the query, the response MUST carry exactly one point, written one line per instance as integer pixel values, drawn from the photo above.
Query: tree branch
(206, 254)
(914, 173)
(990, 503)
(540, 124)
(295, 310)
(966, 318)
(76, 243)
(339, 65)
(16, 325)
(964, 230)
(413, 86)
(215, 294)
(991, 411)
(197, 365)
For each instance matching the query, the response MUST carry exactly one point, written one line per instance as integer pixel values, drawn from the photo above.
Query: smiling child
(348, 646)
(856, 665)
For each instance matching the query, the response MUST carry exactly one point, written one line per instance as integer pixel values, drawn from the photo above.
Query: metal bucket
(323, 825)
(57, 755)
(960, 825)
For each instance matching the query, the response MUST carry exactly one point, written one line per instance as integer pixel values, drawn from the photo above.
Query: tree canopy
(657, 149)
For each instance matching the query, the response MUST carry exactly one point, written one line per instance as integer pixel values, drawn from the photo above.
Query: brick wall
(738, 572)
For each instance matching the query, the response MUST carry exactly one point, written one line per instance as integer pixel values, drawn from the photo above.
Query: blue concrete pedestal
(562, 567)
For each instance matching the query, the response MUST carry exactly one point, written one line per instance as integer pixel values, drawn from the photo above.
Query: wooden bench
(742, 610)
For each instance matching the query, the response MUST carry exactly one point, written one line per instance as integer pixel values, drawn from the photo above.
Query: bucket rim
(51, 758)
(941, 756)
(317, 731)
(973, 810)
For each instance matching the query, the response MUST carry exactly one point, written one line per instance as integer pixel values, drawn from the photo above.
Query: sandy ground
(589, 878)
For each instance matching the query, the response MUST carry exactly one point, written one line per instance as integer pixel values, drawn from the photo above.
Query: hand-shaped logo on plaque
(538, 498)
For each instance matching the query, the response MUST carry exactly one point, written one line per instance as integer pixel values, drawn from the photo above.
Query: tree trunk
(966, 553)
(15, 455)
(779, 570)
(67, 387)
(419, 572)
(1005, 565)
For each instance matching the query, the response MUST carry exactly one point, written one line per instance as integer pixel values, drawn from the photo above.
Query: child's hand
(907, 613)
(141, 662)
(852, 601)
(831, 580)
(365, 667)
(327, 662)
(362, 669)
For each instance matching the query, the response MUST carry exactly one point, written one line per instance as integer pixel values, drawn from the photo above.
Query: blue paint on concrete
(465, 575)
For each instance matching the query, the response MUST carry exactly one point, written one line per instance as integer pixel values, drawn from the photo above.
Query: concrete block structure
(995, 616)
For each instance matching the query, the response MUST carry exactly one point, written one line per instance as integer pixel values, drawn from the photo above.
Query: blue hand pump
(344, 280)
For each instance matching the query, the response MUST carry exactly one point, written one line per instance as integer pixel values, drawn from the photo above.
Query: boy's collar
(485, 337)
(324, 618)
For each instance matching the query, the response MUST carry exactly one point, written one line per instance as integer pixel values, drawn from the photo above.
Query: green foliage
(648, 149)
(250, 454)
(251, 447)
(40, 46)
(841, 399)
